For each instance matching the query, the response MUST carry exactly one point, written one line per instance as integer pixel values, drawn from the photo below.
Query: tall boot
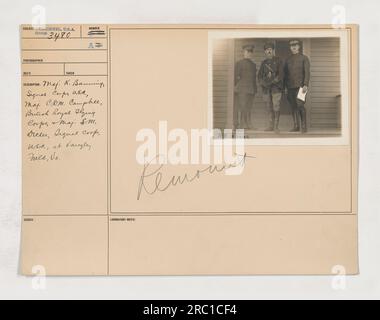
(296, 124)
(276, 121)
(271, 121)
(247, 119)
(303, 120)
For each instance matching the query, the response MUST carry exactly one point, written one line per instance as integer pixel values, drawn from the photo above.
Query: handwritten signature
(152, 181)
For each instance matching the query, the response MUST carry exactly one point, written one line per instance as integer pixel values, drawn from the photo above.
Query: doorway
(283, 52)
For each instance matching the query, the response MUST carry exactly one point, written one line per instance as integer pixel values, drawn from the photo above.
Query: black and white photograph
(280, 87)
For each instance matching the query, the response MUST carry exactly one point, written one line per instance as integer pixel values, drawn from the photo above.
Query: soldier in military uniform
(245, 89)
(297, 76)
(271, 76)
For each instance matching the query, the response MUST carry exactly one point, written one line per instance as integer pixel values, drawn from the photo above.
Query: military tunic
(271, 78)
(297, 71)
(245, 90)
(245, 77)
(271, 75)
(297, 75)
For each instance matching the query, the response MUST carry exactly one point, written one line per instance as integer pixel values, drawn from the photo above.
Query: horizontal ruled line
(67, 62)
(66, 75)
(179, 215)
(64, 50)
(37, 38)
(231, 214)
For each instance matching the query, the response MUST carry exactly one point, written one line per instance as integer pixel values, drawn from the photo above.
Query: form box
(64, 56)
(43, 70)
(96, 69)
(64, 44)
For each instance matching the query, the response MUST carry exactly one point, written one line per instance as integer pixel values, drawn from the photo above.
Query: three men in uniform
(274, 77)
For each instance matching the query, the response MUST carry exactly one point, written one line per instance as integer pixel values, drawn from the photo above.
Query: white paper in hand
(302, 95)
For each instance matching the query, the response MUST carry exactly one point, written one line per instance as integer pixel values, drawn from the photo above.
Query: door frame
(231, 84)
(308, 105)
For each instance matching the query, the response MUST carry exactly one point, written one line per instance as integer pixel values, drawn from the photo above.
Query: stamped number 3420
(59, 35)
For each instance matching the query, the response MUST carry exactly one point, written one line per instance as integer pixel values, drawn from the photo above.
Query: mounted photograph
(280, 85)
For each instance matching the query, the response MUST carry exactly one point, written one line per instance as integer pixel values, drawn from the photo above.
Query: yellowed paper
(118, 179)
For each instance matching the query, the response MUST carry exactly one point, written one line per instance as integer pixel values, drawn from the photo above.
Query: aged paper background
(16, 286)
(220, 226)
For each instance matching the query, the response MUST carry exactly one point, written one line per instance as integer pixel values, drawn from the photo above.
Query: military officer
(297, 76)
(245, 89)
(271, 79)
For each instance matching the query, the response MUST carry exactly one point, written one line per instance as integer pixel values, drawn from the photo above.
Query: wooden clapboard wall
(222, 76)
(325, 83)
